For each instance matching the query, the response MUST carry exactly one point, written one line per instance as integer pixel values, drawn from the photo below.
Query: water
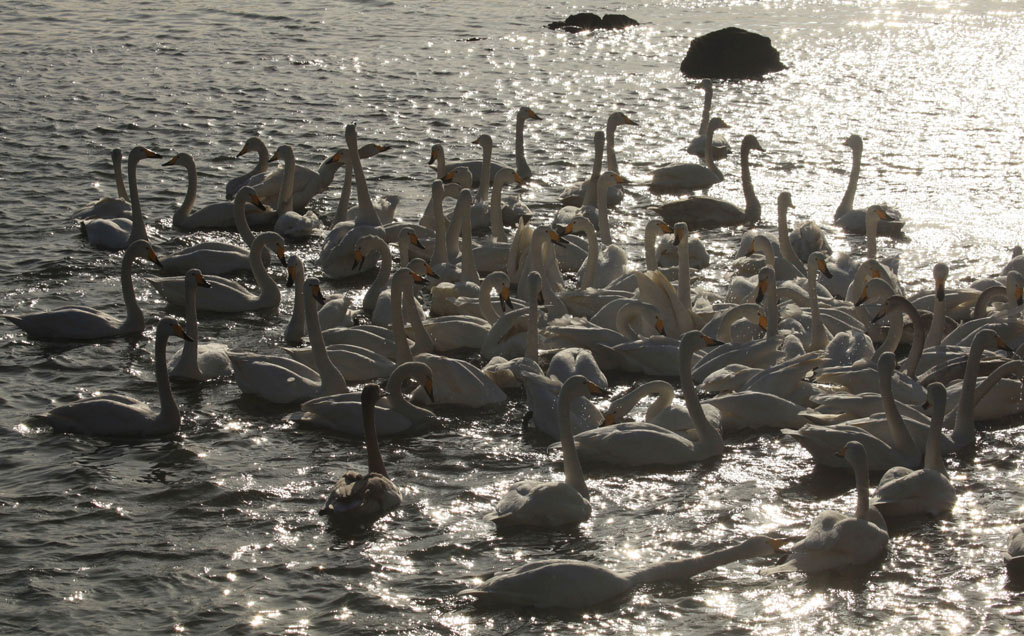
(216, 529)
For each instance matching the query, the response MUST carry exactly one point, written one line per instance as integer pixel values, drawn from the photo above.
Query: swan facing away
(577, 585)
(359, 499)
(114, 415)
(689, 177)
(80, 322)
(118, 233)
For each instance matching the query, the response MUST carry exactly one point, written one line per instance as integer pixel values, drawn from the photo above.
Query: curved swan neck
(818, 336)
(933, 446)
(683, 569)
(683, 265)
(752, 207)
(170, 415)
(570, 460)
(418, 371)
(380, 281)
(374, 460)
(487, 145)
(861, 479)
(902, 441)
(297, 326)
(115, 157)
(963, 430)
(686, 385)
(705, 115)
(846, 204)
(331, 380)
(190, 351)
(190, 195)
(609, 141)
(497, 226)
(267, 285)
(402, 351)
(134, 320)
(362, 190)
(593, 252)
(241, 221)
(785, 246)
(522, 167)
(651, 233)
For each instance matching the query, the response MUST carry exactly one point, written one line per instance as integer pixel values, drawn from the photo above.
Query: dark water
(217, 529)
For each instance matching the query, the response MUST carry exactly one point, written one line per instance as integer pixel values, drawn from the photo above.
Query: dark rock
(591, 21)
(731, 53)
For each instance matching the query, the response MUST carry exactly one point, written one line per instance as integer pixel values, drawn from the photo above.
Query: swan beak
(620, 179)
(505, 298)
(428, 387)
(335, 158)
(152, 256)
(448, 178)
(517, 178)
(627, 120)
(881, 313)
(255, 200)
(659, 326)
(778, 543)
(173, 160)
(940, 289)
(430, 272)
(479, 140)
(433, 158)
(609, 418)
(415, 240)
(417, 279)
(280, 255)
(291, 276)
(665, 229)
(1019, 295)
(178, 331)
(556, 238)
(762, 322)
(202, 282)
(678, 237)
(863, 298)
(153, 155)
(540, 298)
(762, 287)
(357, 259)
(568, 229)
(318, 295)
(596, 390)
(823, 268)
(532, 115)
(381, 148)
(711, 342)
(1002, 344)
(245, 149)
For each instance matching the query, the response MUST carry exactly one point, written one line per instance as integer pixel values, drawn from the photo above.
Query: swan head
(194, 278)
(578, 225)
(141, 249)
(620, 119)
(138, 153)
(1015, 281)
(506, 176)
(273, 241)
(886, 366)
(370, 395)
(681, 232)
(246, 195)
(252, 143)
(765, 281)
(941, 273)
(854, 142)
(311, 286)
(181, 159)
(170, 326)
(485, 141)
(785, 201)
(817, 260)
(609, 178)
(937, 399)
(855, 455)
(749, 143)
(295, 270)
(693, 340)
(351, 138)
(525, 112)
(716, 123)
(284, 153)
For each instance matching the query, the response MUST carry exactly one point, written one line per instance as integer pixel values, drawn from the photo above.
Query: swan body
(719, 145)
(522, 168)
(198, 361)
(359, 499)
(118, 233)
(87, 323)
(121, 416)
(227, 296)
(216, 216)
(290, 224)
(683, 177)
(853, 220)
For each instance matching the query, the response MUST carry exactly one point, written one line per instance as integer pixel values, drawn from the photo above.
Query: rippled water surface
(217, 528)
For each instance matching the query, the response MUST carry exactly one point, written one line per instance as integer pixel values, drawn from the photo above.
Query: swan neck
(402, 351)
(189, 359)
(522, 168)
(134, 320)
(861, 479)
(470, 274)
(683, 569)
(963, 430)
(440, 253)
(683, 276)
(570, 460)
(818, 335)
(590, 194)
(693, 405)
(190, 195)
(532, 351)
(380, 282)
(609, 140)
(375, 461)
(285, 194)
(846, 205)
(593, 254)
(362, 190)
(331, 380)
(497, 227)
(399, 403)
(242, 222)
(902, 441)
(604, 226)
(485, 173)
(752, 207)
(269, 290)
(138, 223)
(933, 445)
(170, 415)
(341, 214)
(118, 176)
(651, 234)
(917, 346)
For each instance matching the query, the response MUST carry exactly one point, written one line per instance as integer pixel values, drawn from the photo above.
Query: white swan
(282, 380)
(924, 491)
(835, 541)
(602, 266)
(577, 585)
(719, 145)
(577, 193)
(290, 224)
(215, 257)
(108, 207)
(296, 327)
(552, 504)
(216, 216)
(522, 168)
(80, 322)
(116, 415)
(227, 296)
(307, 183)
(117, 234)
(1013, 556)
(198, 361)
(853, 220)
(357, 499)
(689, 177)
(702, 212)
(262, 164)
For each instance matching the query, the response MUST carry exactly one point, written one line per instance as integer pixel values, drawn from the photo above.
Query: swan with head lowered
(216, 216)
(115, 415)
(703, 212)
(552, 504)
(358, 499)
(837, 542)
(577, 585)
(108, 207)
(227, 296)
(118, 233)
(690, 177)
(80, 322)
(198, 361)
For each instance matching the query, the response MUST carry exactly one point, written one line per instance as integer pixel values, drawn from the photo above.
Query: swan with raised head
(690, 177)
(290, 224)
(854, 220)
(252, 144)
(227, 296)
(359, 499)
(703, 212)
(108, 207)
(197, 361)
(719, 145)
(835, 541)
(577, 585)
(552, 504)
(118, 233)
(80, 322)
(577, 193)
(522, 168)
(115, 415)
(216, 216)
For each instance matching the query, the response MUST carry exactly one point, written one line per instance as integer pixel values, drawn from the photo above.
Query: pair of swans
(583, 192)
(719, 145)
(116, 234)
(80, 322)
(522, 167)
(358, 499)
(115, 415)
(216, 216)
(252, 144)
(108, 207)
(690, 177)
(227, 296)
(578, 585)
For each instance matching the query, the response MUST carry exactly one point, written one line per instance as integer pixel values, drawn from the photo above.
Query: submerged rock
(731, 53)
(591, 21)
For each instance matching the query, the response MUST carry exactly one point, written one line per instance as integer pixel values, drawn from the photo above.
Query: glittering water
(216, 529)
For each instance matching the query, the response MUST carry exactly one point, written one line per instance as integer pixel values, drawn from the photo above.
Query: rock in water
(731, 53)
(591, 21)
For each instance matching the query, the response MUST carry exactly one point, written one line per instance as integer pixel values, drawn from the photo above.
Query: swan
(807, 237)
(642, 444)
(362, 499)
(835, 541)
(522, 168)
(853, 221)
(115, 415)
(216, 216)
(365, 152)
(702, 212)
(589, 198)
(552, 504)
(306, 185)
(936, 330)
(603, 265)
(290, 224)
(117, 234)
(689, 177)
(80, 322)
(576, 193)
(822, 442)
(336, 255)
(928, 489)
(577, 585)
(198, 361)
(215, 257)
(719, 146)
(509, 374)
(227, 296)
(108, 207)
(281, 379)
(262, 164)
(393, 415)
(296, 327)
(1013, 556)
